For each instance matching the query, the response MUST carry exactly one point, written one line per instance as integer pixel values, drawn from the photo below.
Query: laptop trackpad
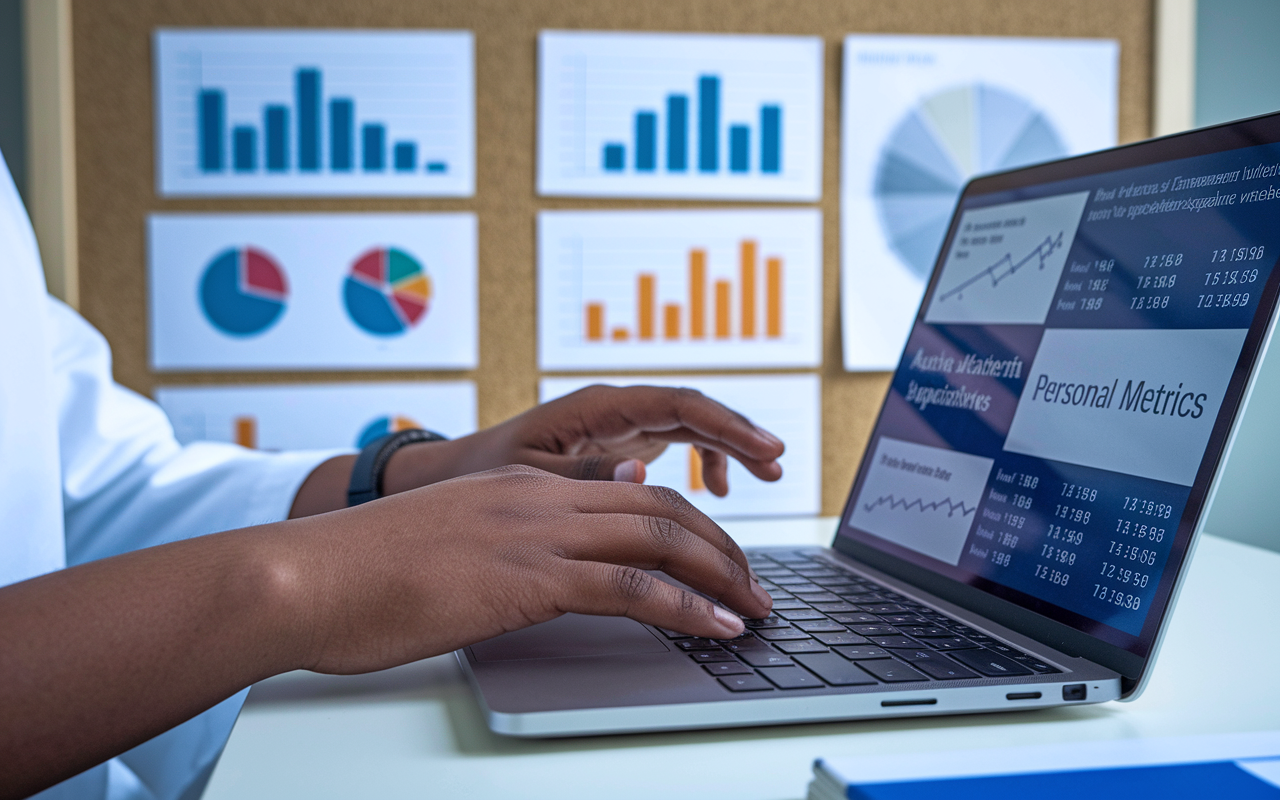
(570, 636)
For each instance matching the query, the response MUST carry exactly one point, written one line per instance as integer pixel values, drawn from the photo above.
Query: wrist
(422, 464)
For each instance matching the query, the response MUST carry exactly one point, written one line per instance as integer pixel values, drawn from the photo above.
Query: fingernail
(627, 472)
(762, 595)
(729, 620)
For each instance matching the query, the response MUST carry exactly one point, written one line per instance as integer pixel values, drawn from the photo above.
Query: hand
(600, 433)
(431, 570)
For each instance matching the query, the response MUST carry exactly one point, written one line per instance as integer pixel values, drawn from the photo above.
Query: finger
(592, 467)
(768, 470)
(715, 470)
(611, 413)
(617, 590)
(658, 543)
(655, 501)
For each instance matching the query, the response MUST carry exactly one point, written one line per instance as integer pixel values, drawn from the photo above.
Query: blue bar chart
(679, 115)
(315, 113)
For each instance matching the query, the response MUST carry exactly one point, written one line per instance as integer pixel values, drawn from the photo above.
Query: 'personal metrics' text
(1139, 399)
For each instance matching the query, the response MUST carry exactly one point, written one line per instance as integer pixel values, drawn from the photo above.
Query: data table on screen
(679, 115)
(273, 112)
(679, 289)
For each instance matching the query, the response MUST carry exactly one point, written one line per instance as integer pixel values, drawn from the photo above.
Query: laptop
(1032, 490)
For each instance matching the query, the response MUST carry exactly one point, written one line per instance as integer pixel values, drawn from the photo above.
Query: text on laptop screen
(1050, 415)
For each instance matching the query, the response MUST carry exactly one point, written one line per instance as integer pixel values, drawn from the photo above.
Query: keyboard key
(808, 646)
(771, 621)
(950, 643)
(860, 653)
(816, 597)
(790, 558)
(1004, 649)
(863, 597)
(781, 634)
(891, 671)
(698, 644)
(893, 641)
(800, 614)
(727, 668)
(789, 604)
(772, 572)
(936, 665)
(836, 585)
(883, 608)
(840, 638)
(814, 573)
(905, 619)
(791, 678)
(765, 658)
(820, 626)
(778, 594)
(923, 630)
(744, 683)
(835, 670)
(874, 630)
(835, 608)
(740, 645)
(856, 618)
(989, 663)
(711, 656)
(789, 580)
(670, 634)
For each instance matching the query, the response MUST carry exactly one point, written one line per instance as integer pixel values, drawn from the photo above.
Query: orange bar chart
(722, 301)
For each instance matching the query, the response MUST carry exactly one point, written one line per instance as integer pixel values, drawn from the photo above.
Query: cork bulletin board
(116, 160)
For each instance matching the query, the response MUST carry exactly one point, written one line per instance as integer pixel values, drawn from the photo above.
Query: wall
(13, 119)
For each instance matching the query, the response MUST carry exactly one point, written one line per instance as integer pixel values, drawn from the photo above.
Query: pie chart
(243, 291)
(945, 139)
(382, 426)
(387, 291)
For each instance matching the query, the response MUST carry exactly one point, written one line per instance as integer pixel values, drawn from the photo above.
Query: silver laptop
(1017, 530)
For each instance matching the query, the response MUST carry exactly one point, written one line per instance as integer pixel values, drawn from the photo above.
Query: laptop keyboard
(830, 627)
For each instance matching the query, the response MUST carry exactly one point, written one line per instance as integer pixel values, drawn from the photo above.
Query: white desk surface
(415, 731)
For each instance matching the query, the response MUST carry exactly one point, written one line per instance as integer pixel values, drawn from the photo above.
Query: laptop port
(924, 701)
(1022, 696)
(1074, 691)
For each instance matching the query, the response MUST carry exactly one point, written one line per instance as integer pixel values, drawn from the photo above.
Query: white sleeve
(127, 483)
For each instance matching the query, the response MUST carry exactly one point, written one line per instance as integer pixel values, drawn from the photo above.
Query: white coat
(89, 469)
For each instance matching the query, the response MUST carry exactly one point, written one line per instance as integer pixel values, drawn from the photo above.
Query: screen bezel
(1132, 666)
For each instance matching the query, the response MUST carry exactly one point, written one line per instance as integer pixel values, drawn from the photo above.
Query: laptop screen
(1066, 392)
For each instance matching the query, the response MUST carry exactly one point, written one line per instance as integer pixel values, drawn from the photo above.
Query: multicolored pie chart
(243, 291)
(387, 291)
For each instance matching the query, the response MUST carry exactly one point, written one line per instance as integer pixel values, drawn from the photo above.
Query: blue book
(1237, 766)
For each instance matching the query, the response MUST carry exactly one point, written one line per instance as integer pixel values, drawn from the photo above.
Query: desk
(415, 731)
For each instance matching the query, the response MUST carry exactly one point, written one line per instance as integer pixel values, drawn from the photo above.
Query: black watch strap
(366, 475)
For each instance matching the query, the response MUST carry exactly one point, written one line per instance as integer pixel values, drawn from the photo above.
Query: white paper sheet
(317, 416)
(299, 291)
(679, 289)
(787, 405)
(679, 115)
(923, 114)
(294, 112)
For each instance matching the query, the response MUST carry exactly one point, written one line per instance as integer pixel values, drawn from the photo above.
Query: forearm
(99, 658)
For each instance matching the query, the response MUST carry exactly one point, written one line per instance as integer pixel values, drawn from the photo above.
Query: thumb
(594, 467)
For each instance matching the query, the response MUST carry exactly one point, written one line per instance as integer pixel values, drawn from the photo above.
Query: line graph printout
(679, 115)
(679, 289)
(1006, 261)
(921, 116)
(315, 112)
(922, 497)
(787, 405)
(317, 416)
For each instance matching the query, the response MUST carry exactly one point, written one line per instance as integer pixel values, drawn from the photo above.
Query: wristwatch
(366, 475)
